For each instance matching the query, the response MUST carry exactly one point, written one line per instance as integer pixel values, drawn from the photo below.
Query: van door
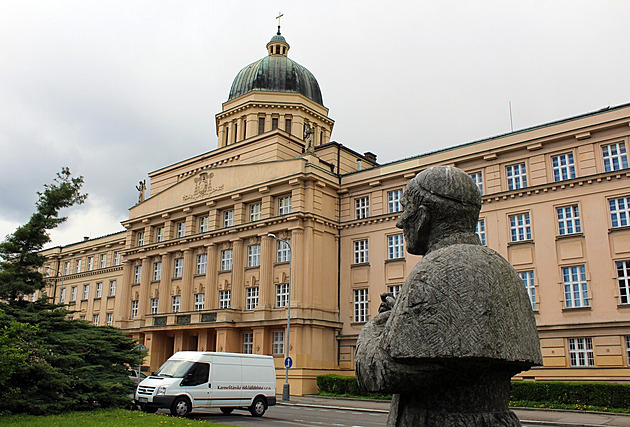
(195, 383)
(226, 381)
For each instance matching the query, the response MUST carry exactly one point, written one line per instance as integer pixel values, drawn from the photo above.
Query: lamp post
(285, 386)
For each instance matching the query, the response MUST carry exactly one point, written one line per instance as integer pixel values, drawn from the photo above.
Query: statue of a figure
(462, 324)
(308, 137)
(141, 187)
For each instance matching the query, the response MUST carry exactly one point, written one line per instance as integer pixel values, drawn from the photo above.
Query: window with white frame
(360, 251)
(282, 250)
(62, 296)
(95, 319)
(568, 220)
(157, 271)
(224, 299)
(530, 286)
(253, 255)
(204, 223)
(255, 211)
(619, 212)
(581, 352)
(394, 290)
(248, 342)
(180, 229)
(575, 286)
(112, 288)
(202, 263)
(66, 268)
(99, 289)
(159, 234)
(395, 248)
(563, 167)
(178, 271)
(361, 305)
(282, 294)
(155, 302)
(278, 342)
(116, 258)
(480, 229)
(226, 260)
(90, 264)
(86, 291)
(140, 238)
(73, 293)
(623, 280)
(228, 218)
(361, 207)
(137, 273)
(77, 266)
(478, 178)
(134, 309)
(393, 201)
(614, 156)
(109, 319)
(520, 227)
(516, 176)
(251, 298)
(103, 260)
(200, 300)
(175, 303)
(284, 205)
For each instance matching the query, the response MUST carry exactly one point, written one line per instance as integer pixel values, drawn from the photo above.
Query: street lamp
(285, 386)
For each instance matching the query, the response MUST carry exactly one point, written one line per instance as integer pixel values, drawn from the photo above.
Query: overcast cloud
(116, 89)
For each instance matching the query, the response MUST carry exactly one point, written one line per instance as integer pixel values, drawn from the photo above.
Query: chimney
(86, 238)
(370, 156)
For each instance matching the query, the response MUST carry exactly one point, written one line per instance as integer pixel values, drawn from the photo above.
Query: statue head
(438, 202)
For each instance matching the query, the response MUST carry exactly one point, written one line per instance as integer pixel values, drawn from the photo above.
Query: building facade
(207, 260)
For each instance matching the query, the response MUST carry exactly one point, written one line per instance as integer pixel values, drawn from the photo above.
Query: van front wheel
(181, 407)
(258, 408)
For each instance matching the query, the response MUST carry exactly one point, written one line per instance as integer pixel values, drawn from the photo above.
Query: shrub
(611, 395)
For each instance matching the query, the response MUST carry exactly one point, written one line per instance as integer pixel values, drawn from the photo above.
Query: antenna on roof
(510, 108)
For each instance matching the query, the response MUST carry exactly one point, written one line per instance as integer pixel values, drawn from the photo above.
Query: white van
(191, 380)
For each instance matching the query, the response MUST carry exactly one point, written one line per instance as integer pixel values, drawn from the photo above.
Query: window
(95, 320)
(480, 229)
(568, 220)
(204, 224)
(66, 268)
(179, 267)
(248, 342)
(62, 296)
(116, 258)
(360, 251)
(226, 260)
(140, 238)
(112, 288)
(619, 212)
(261, 125)
(137, 273)
(180, 229)
(627, 341)
(278, 342)
(287, 125)
(82, 317)
(393, 201)
(274, 123)
(478, 178)
(361, 207)
(251, 299)
(155, 302)
(99, 289)
(284, 205)
(103, 260)
(394, 290)
(227, 134)
(253, 255)
(516, 176)
(134, 309)
(224, 299)
(360, 305)
(623, 279)
(563, 167)
(528, 280)
(109, 320)
(520, 227)
(199, 301)
(90, 264)
(77, 266)
(159, 234)
(282, 295)
(228, 218)
(255, 211)
(614, 156)
(283, 251)
(575, 286)
(73, 293)
(235, 132)
(202, 262)
(581, 351)
(395, 246)
(175, 303)
(86, 291)
(157, 271)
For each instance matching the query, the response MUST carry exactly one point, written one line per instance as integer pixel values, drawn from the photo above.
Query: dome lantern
(278, 45)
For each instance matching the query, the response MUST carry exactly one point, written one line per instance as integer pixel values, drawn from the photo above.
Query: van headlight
(161, 391)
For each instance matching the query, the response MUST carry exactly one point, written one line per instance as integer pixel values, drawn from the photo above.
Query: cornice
(98, 271)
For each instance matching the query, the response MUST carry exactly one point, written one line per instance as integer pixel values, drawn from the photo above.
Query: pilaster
(238, 281)
(187, 281)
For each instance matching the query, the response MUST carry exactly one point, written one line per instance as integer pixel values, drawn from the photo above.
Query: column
(267, 252)
(238, 300)
(164, 304)
(267, 209)
(212, 297)
(297, 267)
(145, 286)
(187, 281)
(190, 225)
(123, 295)
(252, 125)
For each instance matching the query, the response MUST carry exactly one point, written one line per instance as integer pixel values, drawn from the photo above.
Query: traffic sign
(288, 362)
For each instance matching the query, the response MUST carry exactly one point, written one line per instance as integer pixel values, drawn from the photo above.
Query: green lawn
(102, 418)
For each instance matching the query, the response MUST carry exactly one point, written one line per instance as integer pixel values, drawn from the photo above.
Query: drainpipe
(338, 252)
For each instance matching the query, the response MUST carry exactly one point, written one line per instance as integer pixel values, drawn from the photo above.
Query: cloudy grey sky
(115, 89)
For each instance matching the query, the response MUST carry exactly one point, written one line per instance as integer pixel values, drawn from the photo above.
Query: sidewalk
(543, 417)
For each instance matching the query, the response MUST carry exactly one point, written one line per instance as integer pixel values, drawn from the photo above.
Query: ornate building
(206, 261)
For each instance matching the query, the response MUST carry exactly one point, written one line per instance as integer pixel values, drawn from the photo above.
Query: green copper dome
(277, 73)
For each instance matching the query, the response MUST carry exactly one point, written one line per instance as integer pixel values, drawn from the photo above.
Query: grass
(103, 418)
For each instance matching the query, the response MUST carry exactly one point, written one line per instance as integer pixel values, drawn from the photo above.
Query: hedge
(339, 384)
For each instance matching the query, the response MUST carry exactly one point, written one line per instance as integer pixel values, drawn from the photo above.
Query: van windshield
(174, 368)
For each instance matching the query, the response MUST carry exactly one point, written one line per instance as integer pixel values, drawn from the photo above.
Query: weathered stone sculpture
(462, 325)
